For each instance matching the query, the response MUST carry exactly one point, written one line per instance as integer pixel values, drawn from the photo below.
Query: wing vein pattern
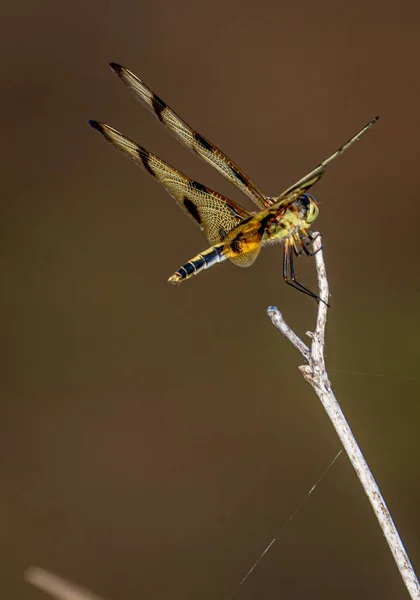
(189, 137)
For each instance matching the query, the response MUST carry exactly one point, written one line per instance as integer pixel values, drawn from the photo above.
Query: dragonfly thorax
(287, 221)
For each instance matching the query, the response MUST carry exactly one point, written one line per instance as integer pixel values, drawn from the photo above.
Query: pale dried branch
(315, 373)
(56, 586)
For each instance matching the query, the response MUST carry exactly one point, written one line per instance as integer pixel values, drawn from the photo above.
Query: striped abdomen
(206, 259)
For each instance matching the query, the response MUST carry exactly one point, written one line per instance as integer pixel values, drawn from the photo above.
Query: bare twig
(316, 374)
(56, 586)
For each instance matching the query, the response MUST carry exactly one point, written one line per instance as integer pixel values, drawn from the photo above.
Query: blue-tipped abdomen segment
(202, 261)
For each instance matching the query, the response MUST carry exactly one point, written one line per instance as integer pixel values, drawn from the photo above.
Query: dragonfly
(234, 233)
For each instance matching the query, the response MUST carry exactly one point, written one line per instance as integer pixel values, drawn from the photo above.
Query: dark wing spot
(203, 142)
(158, 106)
(144, 157)
(236, 246)
(264, 223)
(239, 176)
(192, 209)
(96, 125)
(222, 233)
(199, 186)
(116, 67)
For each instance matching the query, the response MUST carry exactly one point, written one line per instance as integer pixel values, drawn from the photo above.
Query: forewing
(189, 137)
(215, 214)
(301, 186)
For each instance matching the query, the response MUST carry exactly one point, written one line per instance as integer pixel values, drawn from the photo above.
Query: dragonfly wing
(244, 259)
(243, 243)
(189, 137)
(215, 214)
(301, 186)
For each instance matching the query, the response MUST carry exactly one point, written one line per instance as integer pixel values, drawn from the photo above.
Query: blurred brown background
(155, 439)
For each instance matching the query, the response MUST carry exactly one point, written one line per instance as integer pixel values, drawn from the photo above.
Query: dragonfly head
(308, 208)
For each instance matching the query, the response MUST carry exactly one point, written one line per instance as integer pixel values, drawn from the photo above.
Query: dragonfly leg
(289, 274)
(306, 239)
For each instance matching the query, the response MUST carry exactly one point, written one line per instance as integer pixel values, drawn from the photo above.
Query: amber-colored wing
(215, 214)
(241, 246)
(301, 186)
(189, 137)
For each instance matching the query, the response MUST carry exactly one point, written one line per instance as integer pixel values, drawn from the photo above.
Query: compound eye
(313, 209)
